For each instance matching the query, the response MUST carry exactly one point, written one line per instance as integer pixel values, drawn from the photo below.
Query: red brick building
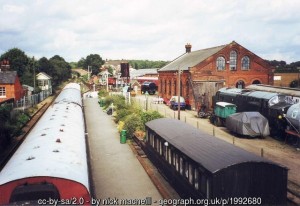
(10, 86)
(205, 71)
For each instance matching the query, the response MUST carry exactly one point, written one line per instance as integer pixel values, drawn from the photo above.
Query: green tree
(44, 65)
(61, 70)
(94, 62)
(18, 61)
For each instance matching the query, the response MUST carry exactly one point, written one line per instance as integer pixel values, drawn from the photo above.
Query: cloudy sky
(149, 29)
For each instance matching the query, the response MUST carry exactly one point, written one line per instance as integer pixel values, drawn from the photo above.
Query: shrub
(150, 115)
(102, 93)
(132, 123)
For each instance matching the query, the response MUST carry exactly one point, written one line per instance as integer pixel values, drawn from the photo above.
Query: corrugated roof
(210, 152)
(8, 77)
(191, 59)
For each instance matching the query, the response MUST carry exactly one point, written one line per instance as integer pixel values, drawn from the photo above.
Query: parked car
(174, 103)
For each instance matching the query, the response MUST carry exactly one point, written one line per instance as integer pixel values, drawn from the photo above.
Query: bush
(150, 115)
(132, 123)
(102, 93)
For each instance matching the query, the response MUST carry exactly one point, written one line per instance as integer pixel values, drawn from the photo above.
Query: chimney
(188, 48)
(4, 65)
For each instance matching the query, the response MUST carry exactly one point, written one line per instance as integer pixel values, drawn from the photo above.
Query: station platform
(116, 172)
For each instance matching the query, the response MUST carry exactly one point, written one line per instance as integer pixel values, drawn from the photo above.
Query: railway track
(10, 150)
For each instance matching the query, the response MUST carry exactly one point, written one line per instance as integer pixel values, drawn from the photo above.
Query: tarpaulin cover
(251, 124)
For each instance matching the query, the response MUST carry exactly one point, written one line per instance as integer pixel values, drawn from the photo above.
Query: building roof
(8, 77)
(44, 75)
(210, 152)
(142, 72)
(191, 59)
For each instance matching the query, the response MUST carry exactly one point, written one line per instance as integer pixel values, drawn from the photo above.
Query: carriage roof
(210, 152)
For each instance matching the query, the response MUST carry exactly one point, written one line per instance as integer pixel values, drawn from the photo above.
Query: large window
(233, 60)
(245, 63)
(2, 92)
(220, 63)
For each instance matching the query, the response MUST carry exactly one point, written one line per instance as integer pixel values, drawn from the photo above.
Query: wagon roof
(210, 152)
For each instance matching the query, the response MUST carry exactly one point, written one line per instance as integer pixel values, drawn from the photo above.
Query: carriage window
(203, 183)
(151, 140)
(170, 156)
(166, 152)
(196, 182)
(177, 162)
(186, 169)
(174, 158)
(191, 172)
(160, 148)
(181, 165)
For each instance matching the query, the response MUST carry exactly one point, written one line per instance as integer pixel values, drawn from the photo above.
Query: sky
(149, 29)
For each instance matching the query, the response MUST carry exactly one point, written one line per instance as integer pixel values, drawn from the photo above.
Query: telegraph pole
(178, 93)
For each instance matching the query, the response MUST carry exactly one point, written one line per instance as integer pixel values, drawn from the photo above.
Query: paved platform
(116, 171)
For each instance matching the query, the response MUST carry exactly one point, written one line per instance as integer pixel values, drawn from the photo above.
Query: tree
(94, 62)
(61, 70)
(18, 61)
(44, 65)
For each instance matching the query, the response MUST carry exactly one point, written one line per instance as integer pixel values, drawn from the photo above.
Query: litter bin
(123, 136)
(101, 102)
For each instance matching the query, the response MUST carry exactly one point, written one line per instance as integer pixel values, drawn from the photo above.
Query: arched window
(220, 63)
(233, 60)
(256, 82)
(240, 84)
(245, 63)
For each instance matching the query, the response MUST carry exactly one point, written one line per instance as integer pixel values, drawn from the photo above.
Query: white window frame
(245, 63)
(2, 91)
(233, 60)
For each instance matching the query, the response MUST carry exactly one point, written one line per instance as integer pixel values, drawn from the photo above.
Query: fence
(31, 100)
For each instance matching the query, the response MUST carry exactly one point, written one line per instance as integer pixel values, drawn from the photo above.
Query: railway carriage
(200, 166)
(51, 163)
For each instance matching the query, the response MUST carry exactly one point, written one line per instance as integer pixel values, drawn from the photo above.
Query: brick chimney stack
(188, 48)
(4, 65)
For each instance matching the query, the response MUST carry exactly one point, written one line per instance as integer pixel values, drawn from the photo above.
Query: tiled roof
(8, 77)
(191, 59)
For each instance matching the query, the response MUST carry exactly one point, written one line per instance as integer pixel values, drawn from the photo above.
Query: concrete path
(115, 169)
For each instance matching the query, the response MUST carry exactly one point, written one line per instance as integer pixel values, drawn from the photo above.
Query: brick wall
(285, 79)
